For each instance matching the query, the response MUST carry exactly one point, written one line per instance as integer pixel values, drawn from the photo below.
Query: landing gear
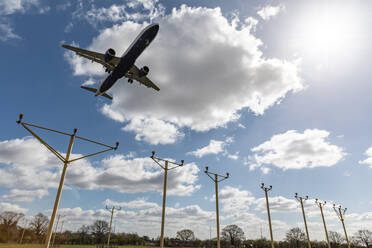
(130, 80)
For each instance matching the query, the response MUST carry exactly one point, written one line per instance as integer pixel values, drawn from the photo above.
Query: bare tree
(335, 238)
(9, 221)
(364, 237)
(99, 230)
(185, 235)
(39, 225)
(233, 233)
(83, 234)
(295, 236)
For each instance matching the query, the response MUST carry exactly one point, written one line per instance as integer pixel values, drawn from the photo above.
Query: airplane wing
(94, 56)
(133, 73)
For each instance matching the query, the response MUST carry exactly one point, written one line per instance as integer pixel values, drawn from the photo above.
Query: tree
(39, 225)
(295, 236)
(8, 222)
(99, 229)
(364, 237)
(83, 232)
(233, 234)
(335, 238)
(185, 235)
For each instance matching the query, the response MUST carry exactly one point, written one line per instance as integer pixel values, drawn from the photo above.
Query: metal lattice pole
(166, 169)
(321, 205)
(341, 215)
(66, 161)
(267, 189)
(301, 200)
(216, 180)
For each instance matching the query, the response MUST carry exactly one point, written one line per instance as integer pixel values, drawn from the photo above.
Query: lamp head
(153, 154)
(271, 186)
(296, 195)
(227, 174)
(262, 185)
(20, 118)
(206, 169)
(116, 145)
(182, 161)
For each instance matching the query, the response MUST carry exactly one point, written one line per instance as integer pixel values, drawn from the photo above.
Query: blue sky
(270, 91)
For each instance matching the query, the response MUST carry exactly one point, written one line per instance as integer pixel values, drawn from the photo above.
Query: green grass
(61, 246)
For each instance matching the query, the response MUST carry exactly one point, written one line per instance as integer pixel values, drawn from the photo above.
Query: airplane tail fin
(95, 90)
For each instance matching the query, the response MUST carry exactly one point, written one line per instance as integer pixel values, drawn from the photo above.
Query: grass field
(61, 246)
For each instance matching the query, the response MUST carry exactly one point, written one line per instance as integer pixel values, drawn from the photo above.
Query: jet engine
(143, 71)
(110, 53)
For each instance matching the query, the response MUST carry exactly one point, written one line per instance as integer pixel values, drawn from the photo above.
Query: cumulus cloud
(27, 164)
(17, 195)
(8, 7)
(154, 131)
(141, 175)
(11, 7)
(135, 10)
(206, 75)
(294, 150)
(368, 160)
(6, 32)
(139, 203)
(269, 11)
(146, 216)
(235, 200)
(5, 206)
(214, 147)
(277, 204)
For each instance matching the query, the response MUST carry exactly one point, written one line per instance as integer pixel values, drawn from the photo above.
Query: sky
(274, 92)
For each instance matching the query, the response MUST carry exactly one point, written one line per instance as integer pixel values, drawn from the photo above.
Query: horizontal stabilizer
(88, 88)
(95, 90)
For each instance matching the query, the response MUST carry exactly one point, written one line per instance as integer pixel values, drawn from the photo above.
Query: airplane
(123, 66)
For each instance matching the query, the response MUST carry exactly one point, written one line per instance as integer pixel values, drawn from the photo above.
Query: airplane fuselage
(129, 57)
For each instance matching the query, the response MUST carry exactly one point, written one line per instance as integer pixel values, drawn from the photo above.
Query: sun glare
(327, 33)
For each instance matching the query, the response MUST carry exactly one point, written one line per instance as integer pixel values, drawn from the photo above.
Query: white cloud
(8, 7)
(6, 32)
(293, 150)
(368, 160)
(221, 72)
(142, 174)
(11, 7)
(5, 206)
(277, 204)
(139, 203)
(214, 147)
(270, 11)
(144, 220)
(27, 164)
(17, 195)
(235, 200)
(134, 10)
(234, 156)
(154, 131)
